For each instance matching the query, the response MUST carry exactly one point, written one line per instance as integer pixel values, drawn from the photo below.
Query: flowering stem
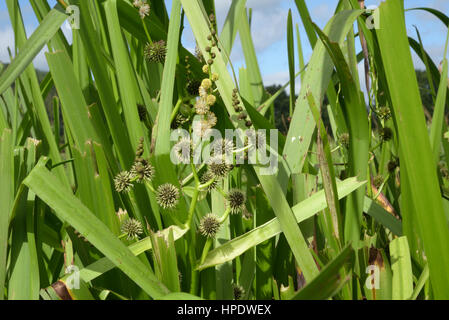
(222, 192)
(146, 31)
(122, 235)
(196, 192)
(62, 2)
(190, 176)
(148, 184)
(225, 215)
(207, 184)
(206, 249)
(175, 110)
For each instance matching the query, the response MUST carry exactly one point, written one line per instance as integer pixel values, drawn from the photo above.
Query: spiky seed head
(377, 181)
(218, 167)
(201, 106)
(393, 164)
(206, 68)
(122, 182)
(156, 51)
(142, 112)
(239, 292)
(236, 200)
(386, 134)
(223, 146)
(144, 10)
(209, 225)
(211, 99)
(167, 196)
(132, 228)
(179, 121)
(384, 113)
(344, 139)
(206, 177)
(206, 84)
(192, 87)
(215, 77)
(143, 170)
(183, 150)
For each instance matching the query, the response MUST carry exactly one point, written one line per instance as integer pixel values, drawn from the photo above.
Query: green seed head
(156, 51)
(393, 164)
(142, 170)
(386, 134)
(167, 196)
(384, 113)
(209, 225)
(218, 167)
(239, 292)
(142, 112)
(223, 146)
(344, 139)
(236, 201)
(122, 182)
(132, 228)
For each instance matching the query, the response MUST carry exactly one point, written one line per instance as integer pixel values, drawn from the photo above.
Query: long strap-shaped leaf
(69, 209)
(303, 211)
(316, 80)
(46, 30)
(416, 153)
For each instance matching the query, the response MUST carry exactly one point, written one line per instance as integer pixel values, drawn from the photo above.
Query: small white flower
(144, 10)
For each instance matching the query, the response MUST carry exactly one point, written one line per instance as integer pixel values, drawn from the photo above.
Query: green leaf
(46, 30)
(329, 281)
(69, 209)
(316, 80)
(401, 265)
(303, 210)
(415, 152)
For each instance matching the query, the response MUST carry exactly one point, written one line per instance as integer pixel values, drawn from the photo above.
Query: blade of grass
(401, 266)
(69, 209)
(416, 153)
(303, 210)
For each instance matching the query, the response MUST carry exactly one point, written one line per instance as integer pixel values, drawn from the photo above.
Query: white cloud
(268, 27)
(6, 40)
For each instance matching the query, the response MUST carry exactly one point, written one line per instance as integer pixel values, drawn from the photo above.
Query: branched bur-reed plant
(135, 169)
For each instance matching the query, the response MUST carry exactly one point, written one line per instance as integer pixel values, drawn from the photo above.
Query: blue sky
(268, 29)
